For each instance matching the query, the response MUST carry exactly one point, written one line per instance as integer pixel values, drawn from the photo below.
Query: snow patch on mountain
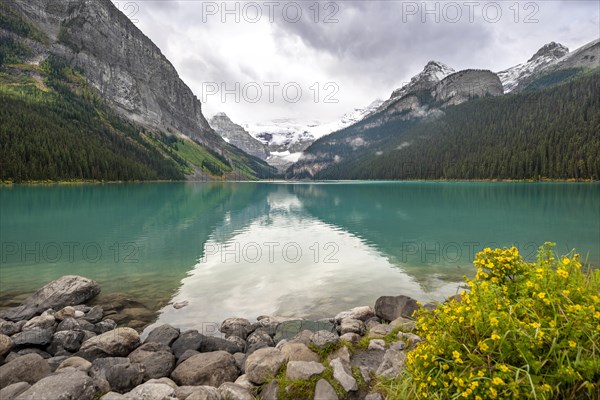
(545, 57)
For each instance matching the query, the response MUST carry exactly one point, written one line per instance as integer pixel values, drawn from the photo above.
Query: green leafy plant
(522, 331)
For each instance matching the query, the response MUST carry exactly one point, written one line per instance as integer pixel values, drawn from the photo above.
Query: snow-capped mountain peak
(548, 55)
(551, 50)
(433, 72)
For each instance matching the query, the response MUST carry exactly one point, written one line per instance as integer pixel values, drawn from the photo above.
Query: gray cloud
(375, 46)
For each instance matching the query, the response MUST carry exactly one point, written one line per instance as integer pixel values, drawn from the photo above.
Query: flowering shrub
(522, 331)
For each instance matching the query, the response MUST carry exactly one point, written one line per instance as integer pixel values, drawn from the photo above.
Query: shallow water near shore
(288, 249)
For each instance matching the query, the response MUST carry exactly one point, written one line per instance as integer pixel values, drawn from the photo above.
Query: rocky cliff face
(237, 136)
(116, 58)
(466, 85)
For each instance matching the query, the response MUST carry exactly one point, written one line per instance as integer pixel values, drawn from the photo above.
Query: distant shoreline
(99, 182)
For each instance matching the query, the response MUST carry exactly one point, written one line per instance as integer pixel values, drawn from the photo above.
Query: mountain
(425, 96)
(89, 47)
(553, 58)
(237, 136)
(287, 138)
(549, 133)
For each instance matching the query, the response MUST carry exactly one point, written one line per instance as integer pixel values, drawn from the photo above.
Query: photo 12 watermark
(271, 92)
(270, 252)
(453, 12)
(70, 252)
(252, 12)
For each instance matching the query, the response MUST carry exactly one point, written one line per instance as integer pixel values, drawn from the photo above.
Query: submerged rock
(69, 290)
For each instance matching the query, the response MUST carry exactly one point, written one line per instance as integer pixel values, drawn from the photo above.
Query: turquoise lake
(289, 249)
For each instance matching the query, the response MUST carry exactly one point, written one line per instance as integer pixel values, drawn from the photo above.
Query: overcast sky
(352, 52)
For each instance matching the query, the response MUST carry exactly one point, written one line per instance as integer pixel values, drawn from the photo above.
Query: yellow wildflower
(497, 381)
(572, 343)
(562, 273)
(494, 321)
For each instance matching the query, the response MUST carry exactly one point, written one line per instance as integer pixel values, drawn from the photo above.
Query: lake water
(289, 249)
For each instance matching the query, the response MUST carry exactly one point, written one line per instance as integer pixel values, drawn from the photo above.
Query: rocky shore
(56, 346)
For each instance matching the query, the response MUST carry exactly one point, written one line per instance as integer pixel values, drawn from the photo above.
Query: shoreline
(60, 343)
(99, 182)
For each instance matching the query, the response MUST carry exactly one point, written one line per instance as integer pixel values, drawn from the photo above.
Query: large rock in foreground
(116, 343)
(29, 368)
(389, 307)
(210, 369)
(70, 290)
(263, 364)
(68, 385)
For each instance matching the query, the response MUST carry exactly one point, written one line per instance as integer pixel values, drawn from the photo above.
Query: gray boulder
(54, 362)
(350, 325)
(391, 307)
(68, 385)
(303, 369)
(65, 312)
(33, 337)
(66, 291)
(164, 334)
(324, 391)
(186, 354)
(393, 363)
(210, 343)
(94, 315)
(11, 392)
(116, 343)
(105, 326)
(67, 340)
(299, 352)
(289, 329)
(324, 338)
(263, 364)
(204, 393)
(269, 391)
(78, 363)
(211, 369)
(233, 391)
(72, 324)
(33, 350)
(380, 330)
(343, 374)
(157, 359)
(188, 340)
(239, 342)
(44, 321)
(9, 328)
(119, 372)
(350, 338)
(239, 327)
(6, 344)
(29, 368)
(361, 313)
(151, 391)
